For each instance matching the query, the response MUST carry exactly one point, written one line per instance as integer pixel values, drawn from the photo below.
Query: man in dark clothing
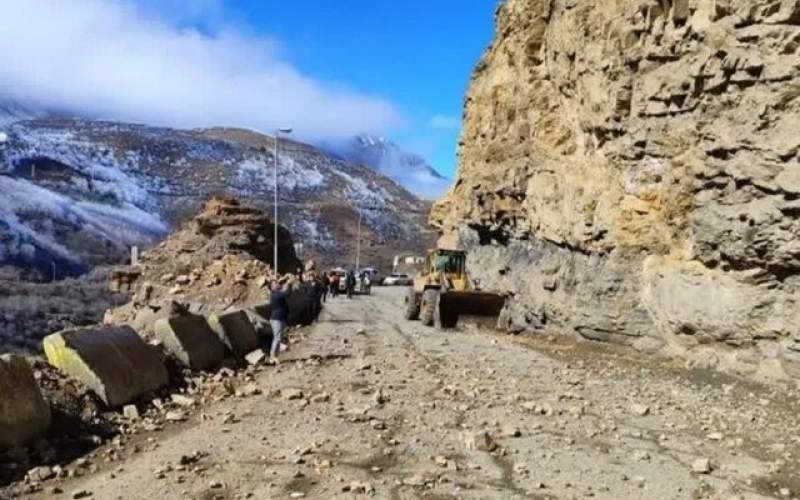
(350, 284)
(319, 292)
(311, 298)
(326, 285)
(278, 315)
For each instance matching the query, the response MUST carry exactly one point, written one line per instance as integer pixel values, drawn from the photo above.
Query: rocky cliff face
(630, 172)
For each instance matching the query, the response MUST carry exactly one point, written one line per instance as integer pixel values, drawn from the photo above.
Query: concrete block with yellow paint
(112, 361)
(24, 414)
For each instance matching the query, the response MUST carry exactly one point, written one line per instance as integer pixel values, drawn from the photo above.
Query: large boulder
(235, 331)
(112, 361)
(24, 415)
(191, 341)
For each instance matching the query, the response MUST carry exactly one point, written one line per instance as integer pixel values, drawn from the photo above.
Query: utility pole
(54, 270)
(278, 132)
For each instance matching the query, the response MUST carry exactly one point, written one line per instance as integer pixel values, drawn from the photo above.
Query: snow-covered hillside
(76, 193)
(12, 111)
(408, 169)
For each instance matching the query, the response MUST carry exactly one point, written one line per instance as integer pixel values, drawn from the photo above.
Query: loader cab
(448, 262)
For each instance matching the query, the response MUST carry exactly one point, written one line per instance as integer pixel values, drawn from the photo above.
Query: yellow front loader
(443, 293)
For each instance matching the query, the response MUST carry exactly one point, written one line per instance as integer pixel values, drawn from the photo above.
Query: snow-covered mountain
(408, 169)
(75, 193)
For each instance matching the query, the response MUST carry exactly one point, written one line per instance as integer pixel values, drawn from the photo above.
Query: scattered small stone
(322, 397)
(130, 412)
(415, 480)
(640, 410)
(41, 474)
(701, 466)
(480, 441)
(256, 357)
(174, 416)
(81, 494)
(291, 393)
(250, 389)
(181, 400)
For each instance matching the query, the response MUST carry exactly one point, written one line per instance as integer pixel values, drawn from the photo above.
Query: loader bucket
(473, 307)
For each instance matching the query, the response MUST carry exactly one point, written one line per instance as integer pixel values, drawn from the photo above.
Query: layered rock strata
(629, 171)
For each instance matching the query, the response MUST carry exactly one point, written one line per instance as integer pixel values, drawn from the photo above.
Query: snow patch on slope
(258, 174)
(408, 169)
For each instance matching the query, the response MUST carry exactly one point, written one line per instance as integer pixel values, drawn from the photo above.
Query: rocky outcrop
(630, 172)
(219, 261)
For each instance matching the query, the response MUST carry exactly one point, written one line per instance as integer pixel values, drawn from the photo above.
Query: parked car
(398, 279)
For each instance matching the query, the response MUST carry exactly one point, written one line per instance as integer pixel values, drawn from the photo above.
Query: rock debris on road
(402, 411)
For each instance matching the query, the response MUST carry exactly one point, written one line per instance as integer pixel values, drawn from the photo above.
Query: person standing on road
(311, 296)
(350, 284)
(319, 292)
(326, 285)
(278, 315)
(336, 282)
(367, 284)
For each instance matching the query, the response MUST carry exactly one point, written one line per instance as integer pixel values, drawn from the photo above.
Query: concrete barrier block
(235, 331)
(112, 361)
(24, 415)
(191, 341)
(299, 307)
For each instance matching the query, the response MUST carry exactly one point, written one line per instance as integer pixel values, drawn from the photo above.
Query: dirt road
(368, 403)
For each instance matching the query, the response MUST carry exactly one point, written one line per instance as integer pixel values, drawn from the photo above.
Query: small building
(408, 262)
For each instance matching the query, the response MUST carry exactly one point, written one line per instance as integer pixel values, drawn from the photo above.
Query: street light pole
(358, 243)
(3, 141)
(275, 199)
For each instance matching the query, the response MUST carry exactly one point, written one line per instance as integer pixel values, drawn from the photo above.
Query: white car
(398, 279)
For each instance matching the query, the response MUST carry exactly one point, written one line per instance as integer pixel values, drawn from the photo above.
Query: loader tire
(441, 320)
(428, 306)
(412, 305)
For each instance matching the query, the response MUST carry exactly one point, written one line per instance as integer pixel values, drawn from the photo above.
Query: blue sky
(330, 68)
(417, 54)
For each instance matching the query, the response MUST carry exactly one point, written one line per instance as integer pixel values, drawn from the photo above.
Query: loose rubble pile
(159, 364)
(219, 261)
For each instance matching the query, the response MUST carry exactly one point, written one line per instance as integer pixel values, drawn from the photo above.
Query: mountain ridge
(79, 192)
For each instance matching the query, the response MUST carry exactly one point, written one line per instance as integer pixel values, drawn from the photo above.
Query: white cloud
(444, 121)
(115, 59)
